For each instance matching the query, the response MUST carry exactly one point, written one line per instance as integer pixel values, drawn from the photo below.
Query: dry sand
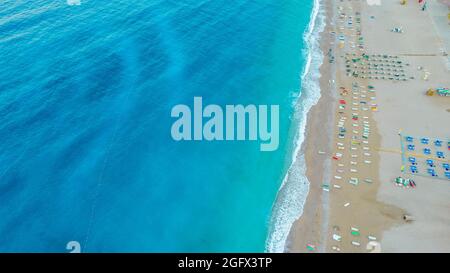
(404, 106)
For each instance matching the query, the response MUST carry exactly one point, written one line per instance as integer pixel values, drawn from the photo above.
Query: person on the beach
(424, 6)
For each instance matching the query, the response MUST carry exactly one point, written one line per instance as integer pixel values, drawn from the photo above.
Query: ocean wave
(294, 189)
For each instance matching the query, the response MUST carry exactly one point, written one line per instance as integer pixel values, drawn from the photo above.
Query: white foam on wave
(73, 2)
(292, 194)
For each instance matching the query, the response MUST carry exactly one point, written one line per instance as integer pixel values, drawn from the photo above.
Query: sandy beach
(380, 60)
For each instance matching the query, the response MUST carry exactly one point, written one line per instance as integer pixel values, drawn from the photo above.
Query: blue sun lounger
(446, 166)
(432, 172)
(409, 138)
(413, 169)
(438, 143)
(440, 154)
(447, 174)
(412, 160)
(427, 151)
(411, 147)
(425, 140)
(430, 162)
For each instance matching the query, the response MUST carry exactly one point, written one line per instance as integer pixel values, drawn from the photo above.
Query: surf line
(235, 122)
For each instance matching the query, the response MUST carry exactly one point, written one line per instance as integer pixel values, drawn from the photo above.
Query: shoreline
(304, 230)
(293, 192)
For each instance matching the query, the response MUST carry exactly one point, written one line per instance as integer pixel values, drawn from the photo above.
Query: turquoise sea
(85, 98)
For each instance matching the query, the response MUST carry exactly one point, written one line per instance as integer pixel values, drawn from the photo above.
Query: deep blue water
(85, 99)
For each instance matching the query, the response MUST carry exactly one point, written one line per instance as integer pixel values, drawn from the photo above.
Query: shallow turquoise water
(85, 99)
